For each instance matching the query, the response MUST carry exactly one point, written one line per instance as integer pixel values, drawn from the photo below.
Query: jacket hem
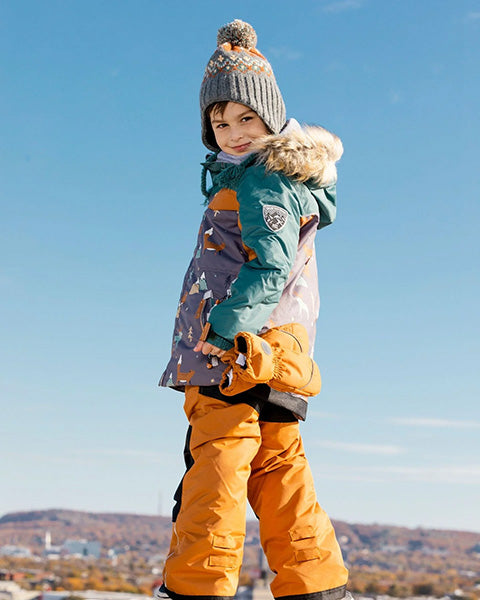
(177, 388)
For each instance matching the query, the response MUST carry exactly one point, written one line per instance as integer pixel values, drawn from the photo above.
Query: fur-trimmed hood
(307, 154)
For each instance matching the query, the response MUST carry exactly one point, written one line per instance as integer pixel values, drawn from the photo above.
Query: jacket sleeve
(327, 203)
(269, 217)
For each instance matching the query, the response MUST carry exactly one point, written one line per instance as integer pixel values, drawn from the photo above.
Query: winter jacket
(254, 265)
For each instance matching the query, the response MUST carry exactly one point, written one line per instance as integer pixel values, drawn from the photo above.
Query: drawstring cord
(223, 174)
(203, 183)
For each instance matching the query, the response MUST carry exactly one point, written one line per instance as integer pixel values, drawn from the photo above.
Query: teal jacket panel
(270, 210)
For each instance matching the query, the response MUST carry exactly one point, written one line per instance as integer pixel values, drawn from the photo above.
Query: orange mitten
(250, 362)
(278, 357)
(294, 370)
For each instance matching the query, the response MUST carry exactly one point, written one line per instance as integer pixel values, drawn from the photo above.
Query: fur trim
(307, 154)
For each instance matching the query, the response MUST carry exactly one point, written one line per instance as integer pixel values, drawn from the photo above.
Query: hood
(307, 154)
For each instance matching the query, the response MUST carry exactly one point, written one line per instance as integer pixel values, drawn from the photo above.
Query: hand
(207, 348)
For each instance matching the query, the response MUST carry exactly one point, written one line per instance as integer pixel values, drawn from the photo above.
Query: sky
(100, 204)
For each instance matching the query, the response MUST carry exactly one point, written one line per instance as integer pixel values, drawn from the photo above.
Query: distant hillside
(378, 537)
(111, 530)
(147, 533)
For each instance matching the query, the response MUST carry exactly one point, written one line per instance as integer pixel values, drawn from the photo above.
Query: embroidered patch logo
(275, 217)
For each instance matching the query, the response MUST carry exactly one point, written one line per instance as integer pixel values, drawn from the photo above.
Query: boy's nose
(236, 134)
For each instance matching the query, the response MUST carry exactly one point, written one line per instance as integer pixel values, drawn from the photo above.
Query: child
(273, 186)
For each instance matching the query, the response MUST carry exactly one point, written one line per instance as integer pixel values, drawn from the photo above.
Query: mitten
(294, 370)
(250, 362)
(278, 357)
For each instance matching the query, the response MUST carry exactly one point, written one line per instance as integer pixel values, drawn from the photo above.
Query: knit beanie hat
(237, 72)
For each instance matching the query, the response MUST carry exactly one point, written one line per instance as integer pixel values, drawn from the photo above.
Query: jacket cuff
(219, 341)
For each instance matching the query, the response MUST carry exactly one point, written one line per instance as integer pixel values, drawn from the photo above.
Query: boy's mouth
(242, 147)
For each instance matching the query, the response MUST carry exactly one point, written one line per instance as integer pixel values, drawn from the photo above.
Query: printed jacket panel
(254, 261)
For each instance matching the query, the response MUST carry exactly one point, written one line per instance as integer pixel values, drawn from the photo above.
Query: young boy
(273, 186)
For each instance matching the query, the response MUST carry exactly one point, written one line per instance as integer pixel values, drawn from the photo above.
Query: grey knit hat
(237, 72)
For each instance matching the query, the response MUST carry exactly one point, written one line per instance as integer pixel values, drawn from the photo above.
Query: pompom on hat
(238, 72)
(237, 33)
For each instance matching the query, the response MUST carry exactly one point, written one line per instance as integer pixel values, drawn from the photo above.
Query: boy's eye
(247, 118)
(221, 126)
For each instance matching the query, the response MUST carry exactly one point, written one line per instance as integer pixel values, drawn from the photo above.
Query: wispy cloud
(5, 281)
(472, 16)
(334, 66)
(284, 53)
(143, 455)
(465, 474)
(445, 475)
(325, 415)
(338, 6)
(93, 456)
(361, 448)
(433, 422)
(395, 97)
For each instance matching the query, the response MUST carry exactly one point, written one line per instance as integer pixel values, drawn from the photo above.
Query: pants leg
(207, 545)
(296, 534)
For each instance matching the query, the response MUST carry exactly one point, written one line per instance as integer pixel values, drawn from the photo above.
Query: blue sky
(100, 204)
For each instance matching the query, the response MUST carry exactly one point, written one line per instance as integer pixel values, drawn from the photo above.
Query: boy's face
(237, 128)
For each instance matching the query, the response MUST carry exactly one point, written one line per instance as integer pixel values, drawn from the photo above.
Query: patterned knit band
(237, 72)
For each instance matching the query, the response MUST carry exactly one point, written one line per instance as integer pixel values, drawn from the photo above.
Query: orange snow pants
(233, 455)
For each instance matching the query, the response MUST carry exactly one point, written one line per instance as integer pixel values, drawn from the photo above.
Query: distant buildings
(82, 548)
(15, 551)
(75, 548)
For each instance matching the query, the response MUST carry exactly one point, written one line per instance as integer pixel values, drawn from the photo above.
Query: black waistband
(257, 398)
